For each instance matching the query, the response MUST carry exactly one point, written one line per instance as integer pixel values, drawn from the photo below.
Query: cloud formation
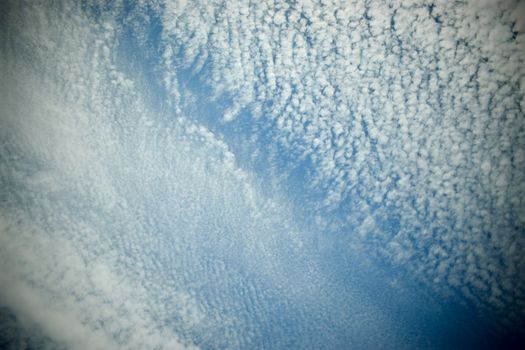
(126, 225)
(130, 222)
(411, 113)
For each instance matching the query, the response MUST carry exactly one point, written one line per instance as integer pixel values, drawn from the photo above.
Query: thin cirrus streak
(260, 175)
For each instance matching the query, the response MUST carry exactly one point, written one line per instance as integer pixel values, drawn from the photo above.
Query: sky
(262, 174)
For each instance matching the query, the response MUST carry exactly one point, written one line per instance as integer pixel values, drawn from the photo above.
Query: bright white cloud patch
(135, 139)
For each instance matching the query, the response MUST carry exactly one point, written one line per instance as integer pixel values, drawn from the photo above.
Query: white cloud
(424, 101)
(126, 227)
(417, 110)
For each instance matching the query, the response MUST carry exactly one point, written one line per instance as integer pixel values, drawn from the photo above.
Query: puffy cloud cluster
(62, 207)
(411, 113)
(133, 228)
(124, 226)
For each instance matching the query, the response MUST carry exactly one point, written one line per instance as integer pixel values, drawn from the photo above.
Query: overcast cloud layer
(222, 174)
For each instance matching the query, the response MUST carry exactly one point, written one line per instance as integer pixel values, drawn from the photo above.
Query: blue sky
(222, 174)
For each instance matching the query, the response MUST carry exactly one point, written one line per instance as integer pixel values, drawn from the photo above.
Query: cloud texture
(411, 114)
(205, 174)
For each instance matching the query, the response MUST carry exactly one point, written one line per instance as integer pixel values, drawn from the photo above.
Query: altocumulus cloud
(133, 212)
(123, 225)
(411, 113)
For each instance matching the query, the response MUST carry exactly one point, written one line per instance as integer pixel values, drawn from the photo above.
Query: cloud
(60, 325)
(135, 224)
(128, 226)
(430, 97)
